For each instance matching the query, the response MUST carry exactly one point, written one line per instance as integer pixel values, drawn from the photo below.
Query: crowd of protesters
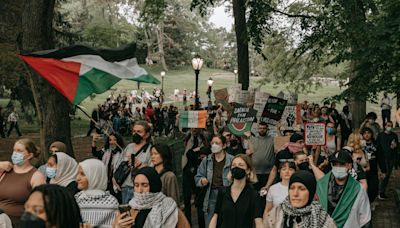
(230, 180)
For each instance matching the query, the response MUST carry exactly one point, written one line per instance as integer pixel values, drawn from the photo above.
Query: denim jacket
(202, 172)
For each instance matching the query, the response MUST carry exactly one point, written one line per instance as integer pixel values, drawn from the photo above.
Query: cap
(342, 156)
(296, 137)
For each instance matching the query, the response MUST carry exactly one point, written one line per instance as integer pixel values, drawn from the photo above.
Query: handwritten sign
(273, 110)
(315, 134)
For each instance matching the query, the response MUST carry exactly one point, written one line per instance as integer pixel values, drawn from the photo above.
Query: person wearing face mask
(388, 145)
(111, 155)
(239, 204)
(212, 175)
(137, 154)
(332, 145)
(296, 144)
(279, 191)
(62, 170)
(341, 195)
(263, 156)
(97, 205)
(17, 183)
(56, 146)
(51, 205)
(150, 208)
(235, 146)
(299, 209)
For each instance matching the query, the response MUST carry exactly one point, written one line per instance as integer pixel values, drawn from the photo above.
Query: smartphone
(124, 208)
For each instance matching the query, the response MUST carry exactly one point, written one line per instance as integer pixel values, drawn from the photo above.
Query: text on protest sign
(242, 119)
(273, 110)
(314, 134)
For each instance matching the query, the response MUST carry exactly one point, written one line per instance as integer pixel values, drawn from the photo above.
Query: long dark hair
(166, 154)
(61, 208)
(120, 141)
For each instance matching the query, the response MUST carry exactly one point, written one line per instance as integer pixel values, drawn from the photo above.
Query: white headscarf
(67, 169)
(96, 173)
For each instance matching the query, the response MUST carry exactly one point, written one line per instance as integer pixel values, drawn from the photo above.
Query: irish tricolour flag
(78, 71)
(193, 119)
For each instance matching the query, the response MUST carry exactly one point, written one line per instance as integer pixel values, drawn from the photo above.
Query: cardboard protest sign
(233, 91)
(221, 97)
(279, 141)
(314, 134)
(273, 110)
(259, 102)
(242, 119)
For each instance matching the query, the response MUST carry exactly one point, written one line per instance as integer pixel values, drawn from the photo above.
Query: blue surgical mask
(51, 172)
(17, 158)
(340, 172)
(329, 130)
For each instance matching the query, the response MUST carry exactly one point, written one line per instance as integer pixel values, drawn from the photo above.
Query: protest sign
(288, 120)
(273, 110)
(314, 134)
(233, 91)
(242, 119)
(279, 141)
(221, 97)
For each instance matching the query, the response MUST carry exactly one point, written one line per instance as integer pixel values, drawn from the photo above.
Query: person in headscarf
(150, 208)
(300, 209)
(97, 206)
(62, 170)
(56, 146)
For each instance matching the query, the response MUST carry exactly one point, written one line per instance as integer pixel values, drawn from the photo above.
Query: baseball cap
(342, 156)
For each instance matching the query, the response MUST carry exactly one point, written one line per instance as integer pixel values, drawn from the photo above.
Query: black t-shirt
(358, 172)
(240, 214)
(283, 156)
(234, 152)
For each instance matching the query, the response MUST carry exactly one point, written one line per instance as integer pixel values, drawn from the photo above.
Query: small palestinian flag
(78, 71)
(193, 119)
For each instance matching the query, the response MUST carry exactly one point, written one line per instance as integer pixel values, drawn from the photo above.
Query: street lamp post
(235, 71)
(197, 63)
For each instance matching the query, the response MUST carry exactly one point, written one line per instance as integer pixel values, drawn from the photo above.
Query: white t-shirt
(277, 194)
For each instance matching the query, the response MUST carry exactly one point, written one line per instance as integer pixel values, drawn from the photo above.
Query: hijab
(96, 173)
(312, 214)
(59, 145)
(67, 170)
(161, 208)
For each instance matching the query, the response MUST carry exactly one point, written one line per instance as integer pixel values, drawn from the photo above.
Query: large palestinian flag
(78, 71)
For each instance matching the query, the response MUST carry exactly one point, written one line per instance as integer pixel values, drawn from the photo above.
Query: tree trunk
(239, 13)
(160, 41)
(148, 42)
(53, 108)
(357, 106)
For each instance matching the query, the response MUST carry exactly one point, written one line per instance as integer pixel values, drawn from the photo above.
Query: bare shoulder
(37, 179)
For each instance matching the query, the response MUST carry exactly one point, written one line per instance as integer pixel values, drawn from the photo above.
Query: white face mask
(215, 148)
(340, 172)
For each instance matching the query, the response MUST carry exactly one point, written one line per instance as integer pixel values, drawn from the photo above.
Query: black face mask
(29, 220)
(238, 173)
(304, 166)
(234, 142)
(136, 138)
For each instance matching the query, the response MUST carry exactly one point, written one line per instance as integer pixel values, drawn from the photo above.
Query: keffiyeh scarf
(310, 216)
(162, 207)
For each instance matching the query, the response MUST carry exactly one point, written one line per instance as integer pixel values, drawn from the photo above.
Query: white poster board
(314, 134)
(289, 118)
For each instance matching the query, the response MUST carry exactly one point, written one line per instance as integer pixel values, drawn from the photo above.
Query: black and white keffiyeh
(310, 216)
(162, 207)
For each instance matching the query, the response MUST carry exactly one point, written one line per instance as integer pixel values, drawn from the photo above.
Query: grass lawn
(182, 78)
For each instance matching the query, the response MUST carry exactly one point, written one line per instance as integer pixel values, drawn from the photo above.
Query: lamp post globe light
(197, 63)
